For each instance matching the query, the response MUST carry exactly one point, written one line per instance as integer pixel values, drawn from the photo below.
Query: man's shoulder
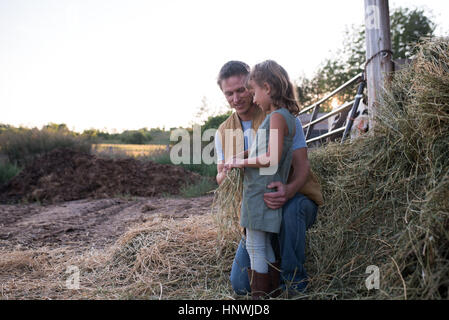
(225, 124)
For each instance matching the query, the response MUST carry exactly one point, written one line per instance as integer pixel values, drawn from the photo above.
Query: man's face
(238, 96)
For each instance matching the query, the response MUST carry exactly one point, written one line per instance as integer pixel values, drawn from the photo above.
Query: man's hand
(298, 177)
(276, 200)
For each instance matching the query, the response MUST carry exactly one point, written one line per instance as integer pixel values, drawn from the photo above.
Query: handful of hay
(226, 210)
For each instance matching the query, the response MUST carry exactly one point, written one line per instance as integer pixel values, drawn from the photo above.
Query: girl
(271, 149)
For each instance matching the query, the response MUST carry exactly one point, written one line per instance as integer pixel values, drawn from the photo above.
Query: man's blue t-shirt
(299, 140)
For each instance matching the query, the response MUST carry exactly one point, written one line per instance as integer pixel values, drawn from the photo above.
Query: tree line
(407, 26)
(140, 136)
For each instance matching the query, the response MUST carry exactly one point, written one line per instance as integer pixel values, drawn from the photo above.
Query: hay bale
(386, 195)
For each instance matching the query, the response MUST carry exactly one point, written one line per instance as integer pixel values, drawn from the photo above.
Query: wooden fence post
(378, 53)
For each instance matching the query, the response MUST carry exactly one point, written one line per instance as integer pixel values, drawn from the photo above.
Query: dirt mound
(64, 175)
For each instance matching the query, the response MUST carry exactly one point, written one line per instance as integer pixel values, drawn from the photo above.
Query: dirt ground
(39, 242)
(66, 207)
(87, 223)
(65, 175)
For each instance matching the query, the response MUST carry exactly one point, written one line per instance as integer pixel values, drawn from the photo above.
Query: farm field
(134, 150)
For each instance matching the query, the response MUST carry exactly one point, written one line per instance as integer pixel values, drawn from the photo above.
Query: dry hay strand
(35, 273)
(226, 211)
(167, 259)
(387, 195)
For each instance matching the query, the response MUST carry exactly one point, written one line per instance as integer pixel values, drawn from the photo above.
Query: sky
(116, 65)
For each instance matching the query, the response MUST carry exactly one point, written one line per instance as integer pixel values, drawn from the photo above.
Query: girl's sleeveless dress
(255, 214)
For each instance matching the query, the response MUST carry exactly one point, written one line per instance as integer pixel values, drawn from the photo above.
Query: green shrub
(206, 170)
(21, 145)
(141, 136)
(200, 188)
(8, 171)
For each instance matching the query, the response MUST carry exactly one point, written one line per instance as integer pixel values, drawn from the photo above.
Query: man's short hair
(232, 68)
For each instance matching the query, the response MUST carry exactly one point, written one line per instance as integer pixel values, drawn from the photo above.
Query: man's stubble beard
(249, 110)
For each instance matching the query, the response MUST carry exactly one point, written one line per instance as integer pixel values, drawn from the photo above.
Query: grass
(204, 186)
(8, 171)
(206, 170)
(22, 145)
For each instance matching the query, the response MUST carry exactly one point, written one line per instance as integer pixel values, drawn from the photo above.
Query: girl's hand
(234, 163)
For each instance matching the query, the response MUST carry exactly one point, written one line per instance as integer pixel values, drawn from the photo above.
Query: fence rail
(343, 107)
(316, 106)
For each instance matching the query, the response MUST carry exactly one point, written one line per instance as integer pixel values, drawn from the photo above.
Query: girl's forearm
(242, 155)
(262, 161)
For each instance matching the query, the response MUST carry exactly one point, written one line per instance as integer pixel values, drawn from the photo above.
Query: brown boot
(274, 272)
(260, 284)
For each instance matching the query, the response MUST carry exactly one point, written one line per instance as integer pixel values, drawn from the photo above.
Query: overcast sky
(117, 65)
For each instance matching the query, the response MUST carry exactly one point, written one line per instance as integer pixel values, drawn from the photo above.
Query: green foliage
(97, 136)
(5, 127)
(407, 27)
(200, 188)
(160, 157)
(21, 145)
(206, 170)
(213, 122)
(55, 127)
(159, 136)
(140, 136)
(7, 172)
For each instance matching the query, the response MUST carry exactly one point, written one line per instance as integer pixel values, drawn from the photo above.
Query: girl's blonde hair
(283, 93)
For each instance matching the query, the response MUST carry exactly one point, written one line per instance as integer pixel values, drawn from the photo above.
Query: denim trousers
(298, 214)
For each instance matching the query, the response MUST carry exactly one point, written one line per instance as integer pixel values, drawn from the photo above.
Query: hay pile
(164, 258)
(387, 195)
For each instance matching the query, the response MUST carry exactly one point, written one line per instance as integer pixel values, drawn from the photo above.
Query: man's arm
(221, 172)
(301, 169)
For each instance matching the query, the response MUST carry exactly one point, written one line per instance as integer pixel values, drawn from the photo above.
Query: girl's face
(261, 95)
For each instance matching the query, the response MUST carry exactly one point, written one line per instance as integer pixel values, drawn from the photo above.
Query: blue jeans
(298, 214)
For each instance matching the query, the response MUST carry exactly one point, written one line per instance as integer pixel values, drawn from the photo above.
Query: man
(299, 198)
